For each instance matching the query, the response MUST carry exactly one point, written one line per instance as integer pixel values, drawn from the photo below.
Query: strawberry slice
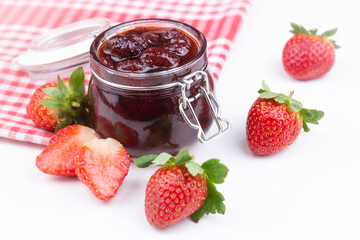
(59, 156)
(102, 166)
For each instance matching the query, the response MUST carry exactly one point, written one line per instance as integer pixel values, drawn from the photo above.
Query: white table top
(310, 190)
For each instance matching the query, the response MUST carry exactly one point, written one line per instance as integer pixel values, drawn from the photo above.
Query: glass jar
(154, 112)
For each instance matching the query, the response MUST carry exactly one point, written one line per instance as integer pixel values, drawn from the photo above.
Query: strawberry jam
(147, 49)
(140, 91)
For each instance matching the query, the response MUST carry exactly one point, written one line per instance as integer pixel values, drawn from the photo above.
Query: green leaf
(318, 114)
(54, 93)
(76, 81)
(183, 156)
(303, 31)
(61, 86)
(268, 95)
(163, 158)
(215, 170)
(329, 33)
(295, 105)
(313, 31)
(214, 203)
(310, 116)
(306, 113)
(53, 103)
(194, 168)
(295, 28)
(281, 98)
(298, 29)
(265, 86)
(306, 127)
(145, 161)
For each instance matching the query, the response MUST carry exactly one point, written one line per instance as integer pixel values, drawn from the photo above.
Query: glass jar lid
(62, 47)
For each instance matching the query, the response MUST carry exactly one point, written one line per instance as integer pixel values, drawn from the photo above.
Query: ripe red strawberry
(42, 116)
(60, 155)
(178, 195)
(307, 55)
(182, 188)
(58, 104)
(275, 120)
(102, 165)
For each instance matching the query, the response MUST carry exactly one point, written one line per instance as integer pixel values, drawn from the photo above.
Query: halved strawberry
(59, 156)
(102, 165)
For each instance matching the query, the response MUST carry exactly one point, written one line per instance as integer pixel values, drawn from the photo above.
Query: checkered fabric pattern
(22, 20)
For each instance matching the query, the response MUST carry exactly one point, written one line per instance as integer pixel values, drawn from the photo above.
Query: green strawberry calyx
(214, 171)
(308, 115)
(298, 29)
(71, 103)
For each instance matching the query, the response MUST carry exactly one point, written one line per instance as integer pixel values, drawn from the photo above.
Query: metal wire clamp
(223, 125)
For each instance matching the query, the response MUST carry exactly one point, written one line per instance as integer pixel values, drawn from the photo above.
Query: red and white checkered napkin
(22, 20)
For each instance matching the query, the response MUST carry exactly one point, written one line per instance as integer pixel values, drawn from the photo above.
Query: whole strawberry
(58, 104)
(275, 120)
(42, 116)
(307, 55)
(182, 188)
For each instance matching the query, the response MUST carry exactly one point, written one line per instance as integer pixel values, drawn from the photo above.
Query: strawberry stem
(75, 104)
(291, 94)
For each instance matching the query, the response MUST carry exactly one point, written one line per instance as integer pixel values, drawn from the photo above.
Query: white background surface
(311, 190)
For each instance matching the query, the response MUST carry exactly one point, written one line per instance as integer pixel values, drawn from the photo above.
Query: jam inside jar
(151, 88)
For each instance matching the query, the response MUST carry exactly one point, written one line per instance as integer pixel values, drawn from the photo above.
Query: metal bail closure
(223, 125)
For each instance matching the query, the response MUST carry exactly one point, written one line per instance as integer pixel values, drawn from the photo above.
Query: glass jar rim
(193, 32)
